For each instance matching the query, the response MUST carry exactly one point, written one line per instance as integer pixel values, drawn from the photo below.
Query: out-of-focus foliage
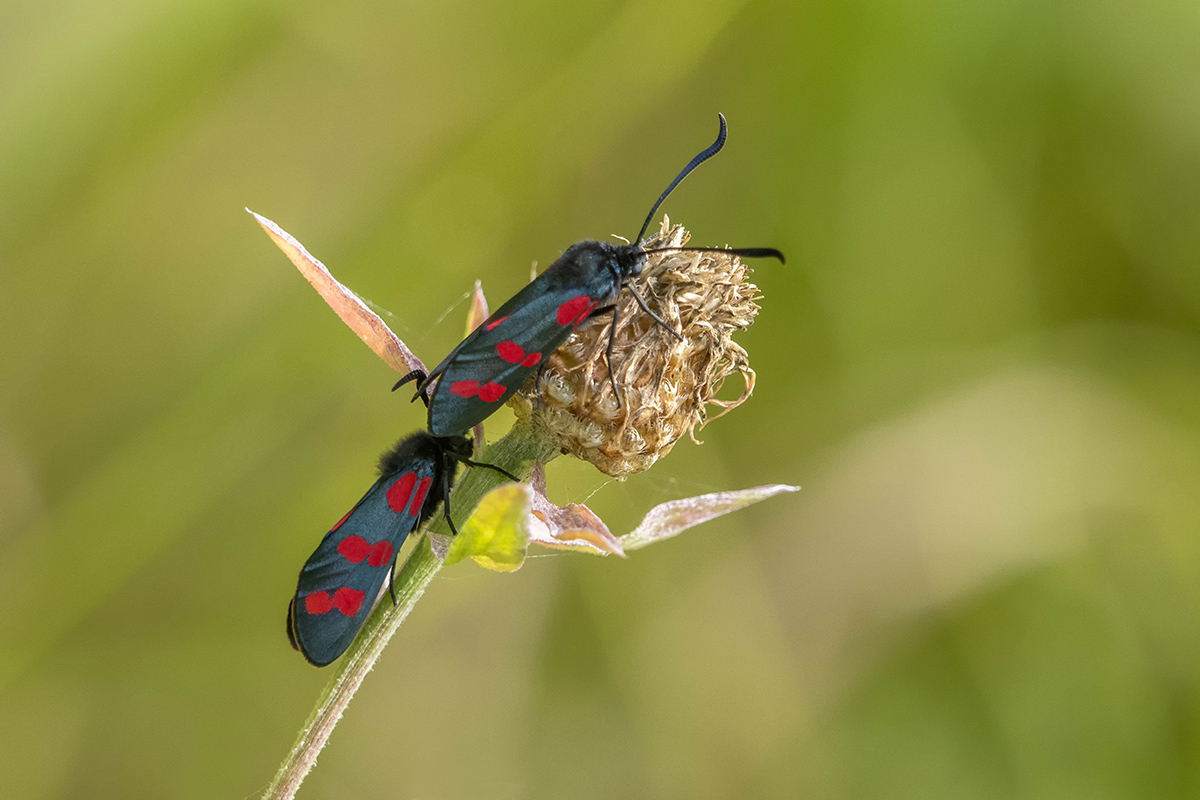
(981, 361)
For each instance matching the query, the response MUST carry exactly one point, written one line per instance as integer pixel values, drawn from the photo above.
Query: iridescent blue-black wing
(340, 581)
(496, 360)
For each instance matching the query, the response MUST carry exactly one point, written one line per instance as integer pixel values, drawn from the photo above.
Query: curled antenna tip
(700, 158)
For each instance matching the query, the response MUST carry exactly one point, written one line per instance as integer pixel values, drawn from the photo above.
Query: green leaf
(495, 535)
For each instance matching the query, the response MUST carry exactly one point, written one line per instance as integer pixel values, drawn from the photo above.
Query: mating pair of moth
(342, 579)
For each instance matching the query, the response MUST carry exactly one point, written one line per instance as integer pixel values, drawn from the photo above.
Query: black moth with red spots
(498, 357)
(340, 581)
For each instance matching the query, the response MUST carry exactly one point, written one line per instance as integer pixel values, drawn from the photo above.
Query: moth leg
(501, 470)
(446, 500)
(653, 316)
(392, 582)
(612, 339)
(470, 463)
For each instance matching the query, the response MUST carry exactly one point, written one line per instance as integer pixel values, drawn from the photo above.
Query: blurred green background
(982, 362)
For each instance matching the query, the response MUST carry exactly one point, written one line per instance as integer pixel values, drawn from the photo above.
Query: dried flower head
(666, 384)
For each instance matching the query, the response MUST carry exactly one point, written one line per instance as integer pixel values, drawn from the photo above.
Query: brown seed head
(666, 384)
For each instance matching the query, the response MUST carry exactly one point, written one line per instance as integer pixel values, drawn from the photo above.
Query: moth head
(630, 259)
(457, 445)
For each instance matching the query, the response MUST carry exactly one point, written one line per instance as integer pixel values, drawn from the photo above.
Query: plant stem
(516, 452)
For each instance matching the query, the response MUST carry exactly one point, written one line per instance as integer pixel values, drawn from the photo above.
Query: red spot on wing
(340, 521)
(573, 309)
(348, 600)
(398, 492)
(531, 359)
(584, 314)
(465, 388)
(419, 496)
(381, 554)
(510, 351)
(318, 603)
(492, 325)
(354, 548)
(491, 392)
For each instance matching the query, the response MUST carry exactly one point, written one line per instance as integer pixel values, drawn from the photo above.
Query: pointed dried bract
(349, 307)
(666, 384)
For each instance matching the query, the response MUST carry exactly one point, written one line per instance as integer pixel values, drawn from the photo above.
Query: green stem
(516, 452)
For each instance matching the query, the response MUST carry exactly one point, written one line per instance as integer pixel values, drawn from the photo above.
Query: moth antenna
(418, 376)
(745, 252)
(703, 156)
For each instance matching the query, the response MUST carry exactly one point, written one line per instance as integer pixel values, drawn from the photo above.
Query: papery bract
(345, 303)
(511, 517)
(670, 519)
